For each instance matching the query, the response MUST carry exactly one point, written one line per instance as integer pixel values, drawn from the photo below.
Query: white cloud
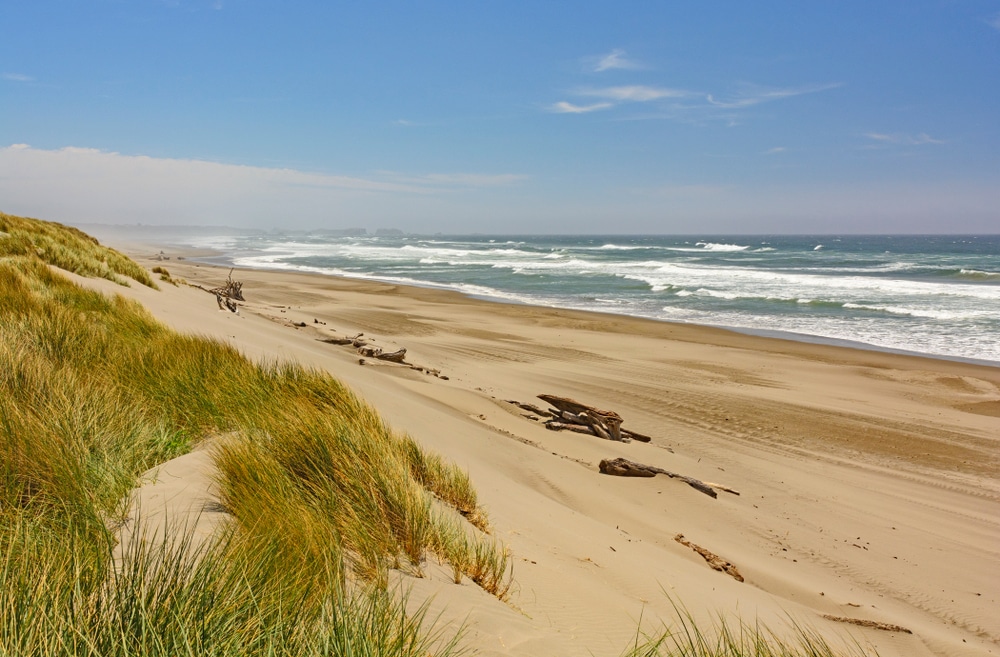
(754, 95)
(17, 77)
(562, 107)
(898, 138)
(615, 59)
(994, 22)
(775, 150)
(686, 105)
(86, 184)
(635, 93)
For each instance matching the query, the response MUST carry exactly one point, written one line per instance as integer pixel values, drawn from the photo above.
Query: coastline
(870, 480)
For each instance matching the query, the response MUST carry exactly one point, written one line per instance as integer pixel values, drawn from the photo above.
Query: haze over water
(933, 295)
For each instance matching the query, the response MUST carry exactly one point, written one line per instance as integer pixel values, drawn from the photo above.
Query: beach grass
(325, 498)
(734, 637)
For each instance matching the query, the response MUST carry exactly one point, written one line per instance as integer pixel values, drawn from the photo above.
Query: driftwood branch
(875, 625)
(714, 560)
(620, 467)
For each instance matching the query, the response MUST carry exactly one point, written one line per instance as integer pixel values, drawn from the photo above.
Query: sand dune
(870, 482)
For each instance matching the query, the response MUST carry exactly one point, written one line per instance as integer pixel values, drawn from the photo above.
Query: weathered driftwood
(231, 290)
(393, 356)
(633, 435)
(875, 625)
(620, 467)
(531, 408)
(714, 560)
(341, 340)
(562, 426)
(225, 303)
(722, 487)
(606, 424)
(227, 295)
(371, 351)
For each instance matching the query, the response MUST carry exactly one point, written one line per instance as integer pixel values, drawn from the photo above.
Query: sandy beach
(869, 483)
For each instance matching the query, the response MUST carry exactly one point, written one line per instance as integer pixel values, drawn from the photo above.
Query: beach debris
(371, 351)
(713, 560)
(531, 408)
(875, 625)
(570, 415)
(620, 467)
(343, 340)
(366, 349)
(227, 295)
(231, 290)
(606, 424)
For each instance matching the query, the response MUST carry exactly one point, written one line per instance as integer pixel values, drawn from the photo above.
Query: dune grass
(686, 637)
(67, 248)
(325, 498)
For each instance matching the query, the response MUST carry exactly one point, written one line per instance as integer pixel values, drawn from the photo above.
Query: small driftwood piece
(620, 467)
(632, 435)
(606, 424)
(875, 625)
(531, 408)
(562, 426)
(714, 560)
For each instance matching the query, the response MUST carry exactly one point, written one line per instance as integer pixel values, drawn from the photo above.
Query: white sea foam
(925, 302)
(712, 246)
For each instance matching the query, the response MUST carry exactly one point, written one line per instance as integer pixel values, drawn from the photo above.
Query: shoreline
(220, 259)
(869, 481)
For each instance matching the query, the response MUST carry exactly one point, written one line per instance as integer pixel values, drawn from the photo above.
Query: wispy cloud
(776, 150)
(17, 77)
(682, 104)
(994, 22)
(635, 93)
(754, 95)
(902, 139)
(562, 107)
(616, 59)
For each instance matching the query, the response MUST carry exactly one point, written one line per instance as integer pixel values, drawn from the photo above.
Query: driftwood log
(620, 467)
(714, 560)
(371, 351)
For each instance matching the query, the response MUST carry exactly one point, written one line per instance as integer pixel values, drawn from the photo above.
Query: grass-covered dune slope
(326, 498)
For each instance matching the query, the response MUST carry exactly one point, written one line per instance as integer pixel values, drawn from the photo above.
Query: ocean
(931, 295)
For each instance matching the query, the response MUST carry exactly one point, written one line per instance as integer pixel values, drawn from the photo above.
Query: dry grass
(325, 497)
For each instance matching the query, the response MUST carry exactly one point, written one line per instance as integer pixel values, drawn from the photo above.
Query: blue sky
(643, 117)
